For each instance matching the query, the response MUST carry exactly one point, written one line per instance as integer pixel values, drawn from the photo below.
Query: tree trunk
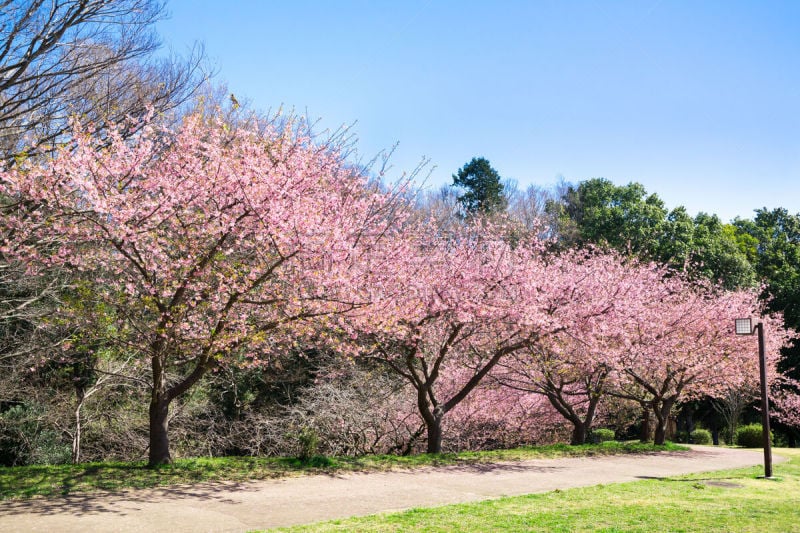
(434, 425)
(662, 419)
(431, 417)
(435, 436)
(159, 422)
(661, 432)
(644, 434)
(76, 437)
(581, 426)
(579, 433)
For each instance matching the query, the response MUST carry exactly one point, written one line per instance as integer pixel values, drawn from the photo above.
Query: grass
(733, 500)
(62, 480)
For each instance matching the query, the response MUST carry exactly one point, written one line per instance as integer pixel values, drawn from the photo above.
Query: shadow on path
(124, 502)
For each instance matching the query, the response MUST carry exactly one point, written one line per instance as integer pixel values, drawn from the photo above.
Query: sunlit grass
(733, 500)
(22, 482)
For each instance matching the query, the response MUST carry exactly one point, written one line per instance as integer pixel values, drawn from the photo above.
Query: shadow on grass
(687, 480)
(467, 467)
(98, 478)
(65, 480)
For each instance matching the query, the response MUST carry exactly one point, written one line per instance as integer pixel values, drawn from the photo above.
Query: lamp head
(744, 326)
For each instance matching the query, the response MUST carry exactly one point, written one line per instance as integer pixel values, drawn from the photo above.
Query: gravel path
(221, 507)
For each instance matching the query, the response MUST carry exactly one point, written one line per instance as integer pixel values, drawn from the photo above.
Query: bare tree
(731, 405)
(528, 206)
(88, 58)
(441, 206)
(27, 330)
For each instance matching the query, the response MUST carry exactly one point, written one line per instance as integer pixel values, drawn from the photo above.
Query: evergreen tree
(484, 191)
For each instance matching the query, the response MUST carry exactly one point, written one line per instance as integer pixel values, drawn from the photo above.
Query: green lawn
(734, 500)
(58, 480)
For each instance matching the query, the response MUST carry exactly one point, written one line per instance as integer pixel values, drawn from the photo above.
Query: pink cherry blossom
(213, 243)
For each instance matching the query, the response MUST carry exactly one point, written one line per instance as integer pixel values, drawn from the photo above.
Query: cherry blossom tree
(660, 339)
(574, 367)
(567, 375)
(678, 344)
(787, 407)
(455, 306)
(785, 392)
(495, 416)
(211, 243)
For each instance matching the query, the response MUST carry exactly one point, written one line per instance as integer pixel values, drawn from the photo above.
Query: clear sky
(698, 101)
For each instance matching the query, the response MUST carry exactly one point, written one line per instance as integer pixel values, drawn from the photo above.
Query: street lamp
(744, 326)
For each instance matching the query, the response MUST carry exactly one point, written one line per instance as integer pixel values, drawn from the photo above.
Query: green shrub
(27, 439)
(681, 436)
(750, 436)
(701, 436)
(309, 443)
(319, 461)
(602, 435)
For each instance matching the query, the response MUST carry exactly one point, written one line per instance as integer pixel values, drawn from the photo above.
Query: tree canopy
(483, 188)
(772, 240)
(94, 59)
(208, 243)
(629, 219)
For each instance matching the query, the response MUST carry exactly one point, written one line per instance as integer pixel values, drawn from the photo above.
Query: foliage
(355, 411)
(772, 240)
(250, 251)
(680, 346)
(602, 435)
(247, 251)
(624, 217)
(497, 417)
(210, 244)
(750, 436)
(630, 220)
(26, 438)
(483, 186)
(60, 59)
(575, 367)
(446, 310)
(715, 253)
(730, 404)
(700, 436)
(786, 405)
(309, 443)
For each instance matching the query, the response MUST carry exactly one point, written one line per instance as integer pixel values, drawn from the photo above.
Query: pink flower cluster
(219, 243)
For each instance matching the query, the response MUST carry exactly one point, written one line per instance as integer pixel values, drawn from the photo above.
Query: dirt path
(241, 507)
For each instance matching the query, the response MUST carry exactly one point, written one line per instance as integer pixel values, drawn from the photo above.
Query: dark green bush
(26, 438)
(681, 436)
(701, 436)
(602, 435)
(750, 436)
(319, 461)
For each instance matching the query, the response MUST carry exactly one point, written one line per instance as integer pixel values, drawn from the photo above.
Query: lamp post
(744, 326)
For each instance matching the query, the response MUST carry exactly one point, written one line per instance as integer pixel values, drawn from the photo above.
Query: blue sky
(698, 101)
